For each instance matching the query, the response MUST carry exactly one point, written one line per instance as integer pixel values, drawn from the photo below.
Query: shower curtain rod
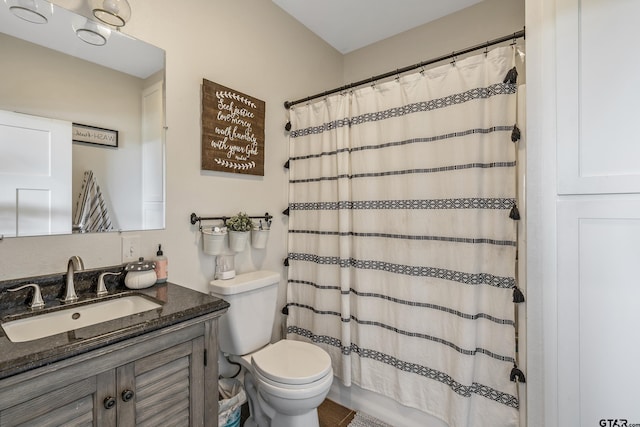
(514, 36)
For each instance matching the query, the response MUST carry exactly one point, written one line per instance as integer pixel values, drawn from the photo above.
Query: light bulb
(112, 12)
(111, 6)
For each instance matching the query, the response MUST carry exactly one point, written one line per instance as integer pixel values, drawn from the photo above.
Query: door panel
(598, 317)
(153, 157)
(72, 402)
(35, 172)
(597, 93)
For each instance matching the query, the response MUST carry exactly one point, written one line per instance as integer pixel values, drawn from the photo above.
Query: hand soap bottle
(162, 266)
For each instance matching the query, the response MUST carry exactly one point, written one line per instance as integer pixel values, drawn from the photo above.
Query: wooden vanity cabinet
(163, 378)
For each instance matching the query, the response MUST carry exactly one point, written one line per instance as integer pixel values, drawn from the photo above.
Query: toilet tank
(247, 324)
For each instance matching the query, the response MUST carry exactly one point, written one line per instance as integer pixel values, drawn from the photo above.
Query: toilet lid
(292, 362)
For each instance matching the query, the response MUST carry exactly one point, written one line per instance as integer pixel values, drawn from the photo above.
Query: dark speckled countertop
(178, 304)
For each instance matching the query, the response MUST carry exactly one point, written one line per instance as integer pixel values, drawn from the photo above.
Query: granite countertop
(178, 304)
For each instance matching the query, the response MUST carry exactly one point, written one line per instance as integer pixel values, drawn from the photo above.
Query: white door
(35, 172)
(153, 157)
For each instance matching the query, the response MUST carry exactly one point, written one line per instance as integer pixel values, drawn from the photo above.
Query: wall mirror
(105, 85)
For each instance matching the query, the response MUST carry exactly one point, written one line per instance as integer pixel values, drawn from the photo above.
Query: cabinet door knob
(109, 402)
(127, 395)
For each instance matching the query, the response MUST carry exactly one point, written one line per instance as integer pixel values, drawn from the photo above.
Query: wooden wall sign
(232, 130)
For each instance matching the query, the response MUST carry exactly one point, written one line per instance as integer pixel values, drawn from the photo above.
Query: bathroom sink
(75, 317)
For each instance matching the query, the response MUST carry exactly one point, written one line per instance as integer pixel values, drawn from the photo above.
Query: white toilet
(286, 381)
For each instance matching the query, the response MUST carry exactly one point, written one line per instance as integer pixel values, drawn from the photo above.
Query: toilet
(285, 381)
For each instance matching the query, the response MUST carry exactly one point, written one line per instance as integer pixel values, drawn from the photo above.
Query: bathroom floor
(329, 412)
(332, 414)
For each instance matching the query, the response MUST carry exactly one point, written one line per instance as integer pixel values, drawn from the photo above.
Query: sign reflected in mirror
(48, 72)
(93, 135)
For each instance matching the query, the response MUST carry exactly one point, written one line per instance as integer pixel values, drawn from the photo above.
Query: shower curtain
(401, 246)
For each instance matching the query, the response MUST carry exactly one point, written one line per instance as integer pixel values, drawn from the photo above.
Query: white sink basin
(75, 317)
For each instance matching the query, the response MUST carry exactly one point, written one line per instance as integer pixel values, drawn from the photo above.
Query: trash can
(232, 396)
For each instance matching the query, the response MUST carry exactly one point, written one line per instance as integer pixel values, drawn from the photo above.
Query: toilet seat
(295, 392)
(291, 364)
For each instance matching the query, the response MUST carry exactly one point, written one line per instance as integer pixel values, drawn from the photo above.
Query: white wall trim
(542, 351)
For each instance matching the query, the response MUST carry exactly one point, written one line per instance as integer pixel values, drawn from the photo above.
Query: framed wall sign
(94, 135)
(232, 130)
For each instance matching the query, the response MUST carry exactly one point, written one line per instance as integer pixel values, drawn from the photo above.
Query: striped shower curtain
(90, 213)
(401, 246)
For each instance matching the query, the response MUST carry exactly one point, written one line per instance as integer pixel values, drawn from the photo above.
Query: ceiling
(348, 25)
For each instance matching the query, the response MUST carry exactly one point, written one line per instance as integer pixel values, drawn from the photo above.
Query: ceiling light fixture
(92, 32)
(112, 12)
(30, 10)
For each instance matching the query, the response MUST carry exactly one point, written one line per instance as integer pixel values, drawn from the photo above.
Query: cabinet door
(598, 316)
(158, 379)
(165, 388)
(75, 404)
(597, 91)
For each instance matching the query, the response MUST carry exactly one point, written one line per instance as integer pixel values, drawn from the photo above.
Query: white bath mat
(364, 420)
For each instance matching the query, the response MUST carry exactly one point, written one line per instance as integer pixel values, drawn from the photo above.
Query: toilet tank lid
(244, 282)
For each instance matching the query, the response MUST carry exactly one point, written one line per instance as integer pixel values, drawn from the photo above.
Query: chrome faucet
(75, 264)
(36, 301)
(102, 288)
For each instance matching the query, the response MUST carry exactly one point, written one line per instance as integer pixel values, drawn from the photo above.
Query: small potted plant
(260, 234)
(238, 227)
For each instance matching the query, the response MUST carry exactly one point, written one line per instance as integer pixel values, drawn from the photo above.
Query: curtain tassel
(518, 296)
(515, 213)
(515, 134)
(286, 262)
(511, 77)
(285, 212)
(517, 375)
(287, 127)
(286, 165)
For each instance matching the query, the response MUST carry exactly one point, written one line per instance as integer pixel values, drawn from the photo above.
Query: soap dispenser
(162, 266)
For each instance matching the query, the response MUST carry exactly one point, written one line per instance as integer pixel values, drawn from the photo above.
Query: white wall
(474, 25)
(541, 215)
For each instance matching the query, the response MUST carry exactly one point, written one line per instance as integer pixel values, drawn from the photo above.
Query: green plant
(239, 222)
